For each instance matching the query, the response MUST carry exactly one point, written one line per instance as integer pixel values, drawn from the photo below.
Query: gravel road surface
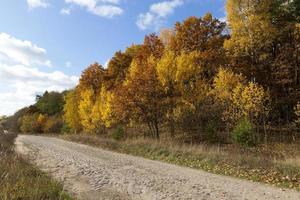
(91, 173)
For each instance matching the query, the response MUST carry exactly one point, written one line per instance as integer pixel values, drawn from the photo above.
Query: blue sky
(45, 44)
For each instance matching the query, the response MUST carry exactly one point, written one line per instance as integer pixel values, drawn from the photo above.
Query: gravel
(91, 173)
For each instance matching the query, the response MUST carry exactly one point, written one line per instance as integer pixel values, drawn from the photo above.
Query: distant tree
(53, 124)
(50, 103)
(32, 123)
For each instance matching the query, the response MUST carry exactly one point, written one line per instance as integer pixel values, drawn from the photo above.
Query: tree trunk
(265, 130)
(172, 125)
(156, 128)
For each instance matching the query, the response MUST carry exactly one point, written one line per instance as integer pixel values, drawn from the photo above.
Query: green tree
(50, 103)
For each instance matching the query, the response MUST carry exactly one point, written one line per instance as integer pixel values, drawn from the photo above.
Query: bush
(66, 129)
(118, 134)
(53, 125)
(243, 133)
(211, 132)
(31, 123)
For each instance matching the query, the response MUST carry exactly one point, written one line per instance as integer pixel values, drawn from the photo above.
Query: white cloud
(107, 11)
(15, 51)
(146, 20)
(65, 11)
(20, 81)
(102, 8)
(157, 14)
(165, 8)
(37, 3)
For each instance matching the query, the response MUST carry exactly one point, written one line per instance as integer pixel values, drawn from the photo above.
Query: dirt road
(92, 173)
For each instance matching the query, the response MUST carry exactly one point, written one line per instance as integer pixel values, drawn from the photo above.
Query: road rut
(91, 173)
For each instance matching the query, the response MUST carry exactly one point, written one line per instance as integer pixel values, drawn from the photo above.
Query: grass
(274, 164)
(22, 181)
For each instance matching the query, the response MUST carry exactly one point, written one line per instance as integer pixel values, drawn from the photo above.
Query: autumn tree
(264, 47)
(92, 78)
(86, 105)
(118, 67)
(286, 65)
(252, 36)
(166, 72)
(71, 113)
(199, 34)
(224, 83)
(152, 46)
(140, 98)
(166, 36)
(103, 112)
(204, 35)
(248, 101)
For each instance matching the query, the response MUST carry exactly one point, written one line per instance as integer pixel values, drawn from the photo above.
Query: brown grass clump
(20, 180)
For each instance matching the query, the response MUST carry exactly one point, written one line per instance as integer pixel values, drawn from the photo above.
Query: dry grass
(275, 164)
(22, 181)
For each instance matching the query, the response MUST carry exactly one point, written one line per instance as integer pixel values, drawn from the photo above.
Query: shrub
(66, 129)
(243, 133)
(211, 131)
(31, 123)
(118, 134)
(53, 125)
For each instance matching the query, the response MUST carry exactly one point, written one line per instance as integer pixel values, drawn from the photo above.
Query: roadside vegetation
(274, 164)
(219, 96)
(20, 180)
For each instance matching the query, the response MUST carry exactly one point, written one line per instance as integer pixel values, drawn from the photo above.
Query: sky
(46, 44)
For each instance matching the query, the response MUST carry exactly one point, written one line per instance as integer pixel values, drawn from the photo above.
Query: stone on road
(92, 173)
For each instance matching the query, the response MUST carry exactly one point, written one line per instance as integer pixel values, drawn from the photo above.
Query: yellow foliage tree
(86, 105)
(248, 101)
(193, 86)
(224, 83)
(166, 74)
(103, 112)
(71, 113)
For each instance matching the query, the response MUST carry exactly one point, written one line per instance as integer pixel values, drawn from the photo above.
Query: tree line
(207, 79)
